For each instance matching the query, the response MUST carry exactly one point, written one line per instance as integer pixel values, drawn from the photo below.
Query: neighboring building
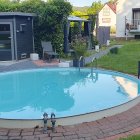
(128, 18)
(107, 16)
(16, 35)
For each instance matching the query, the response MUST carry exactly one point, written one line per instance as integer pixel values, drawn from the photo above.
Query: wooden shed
(16, 35)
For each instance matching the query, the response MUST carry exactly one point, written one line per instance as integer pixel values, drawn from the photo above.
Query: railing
(132, 24)
(45, 120)
(94, 75)
(138, 69)
(93, 59)
(80, 61)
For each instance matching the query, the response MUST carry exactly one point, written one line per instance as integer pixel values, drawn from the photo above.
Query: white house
(128, 18)
(107, 16)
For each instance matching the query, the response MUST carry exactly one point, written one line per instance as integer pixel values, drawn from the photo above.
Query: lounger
(48, 49)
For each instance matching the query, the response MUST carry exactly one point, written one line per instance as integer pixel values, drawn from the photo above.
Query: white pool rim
(72, 120)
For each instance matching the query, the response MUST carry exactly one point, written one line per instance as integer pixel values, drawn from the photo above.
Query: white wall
(124, 8)
(112, 17)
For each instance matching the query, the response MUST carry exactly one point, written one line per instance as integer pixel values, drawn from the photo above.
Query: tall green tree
(112, 1)
(95, 8)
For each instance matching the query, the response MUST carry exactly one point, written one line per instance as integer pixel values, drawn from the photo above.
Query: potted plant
(96, 42)
(80, 49)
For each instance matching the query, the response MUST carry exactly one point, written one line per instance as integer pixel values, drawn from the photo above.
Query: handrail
(45, 119)
(93, 59)
(138, 69)
(80, 61)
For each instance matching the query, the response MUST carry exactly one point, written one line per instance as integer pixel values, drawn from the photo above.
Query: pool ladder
(93, 59)
(80, 61)
(138, 69)
(94, 76)
(45, 119)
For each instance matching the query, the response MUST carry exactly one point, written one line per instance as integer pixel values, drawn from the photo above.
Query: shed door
(6, 41)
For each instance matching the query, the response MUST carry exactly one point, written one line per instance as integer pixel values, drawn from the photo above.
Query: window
(4, 41)
(5, 37)
(136, 16)
(4, 27)
(106, 11)
(106, 20)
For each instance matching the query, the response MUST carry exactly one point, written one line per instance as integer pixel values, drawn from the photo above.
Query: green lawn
(136, 137)
(125, 61)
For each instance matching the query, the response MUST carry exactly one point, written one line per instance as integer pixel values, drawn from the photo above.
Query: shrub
(113, 30)
(96, 42)
(80, 48)
(48, 24)
(114, 50)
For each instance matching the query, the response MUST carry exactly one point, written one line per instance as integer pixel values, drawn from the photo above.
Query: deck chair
(47, 49)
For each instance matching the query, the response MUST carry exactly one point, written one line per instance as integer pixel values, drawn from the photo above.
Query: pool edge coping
(76, 119)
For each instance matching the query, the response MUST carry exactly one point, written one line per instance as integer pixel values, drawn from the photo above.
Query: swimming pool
(65, 91)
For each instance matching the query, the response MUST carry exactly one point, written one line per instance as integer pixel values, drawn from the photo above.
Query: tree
(112, 1)
(95, 8)
(48, 23)
(16, 1)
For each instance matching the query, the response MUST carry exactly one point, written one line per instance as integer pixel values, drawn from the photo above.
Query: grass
(135, 137)
(125, 61)
(121, 42)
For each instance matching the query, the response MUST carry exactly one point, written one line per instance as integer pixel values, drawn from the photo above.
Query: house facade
(107, 16)
(128, 19)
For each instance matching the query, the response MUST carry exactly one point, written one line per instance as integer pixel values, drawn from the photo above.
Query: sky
(81, 3)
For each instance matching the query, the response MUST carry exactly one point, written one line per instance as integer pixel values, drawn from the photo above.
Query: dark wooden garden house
(16, 35)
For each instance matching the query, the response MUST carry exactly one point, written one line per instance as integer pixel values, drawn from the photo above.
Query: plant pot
(97, 48)
(76, 63)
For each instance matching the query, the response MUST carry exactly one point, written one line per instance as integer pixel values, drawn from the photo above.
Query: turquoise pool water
(66, 92)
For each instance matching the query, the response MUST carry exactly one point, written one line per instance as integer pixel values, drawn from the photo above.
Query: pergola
(87, 30)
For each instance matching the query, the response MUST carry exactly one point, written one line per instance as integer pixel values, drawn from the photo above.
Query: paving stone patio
(110, 128)
(27, 64)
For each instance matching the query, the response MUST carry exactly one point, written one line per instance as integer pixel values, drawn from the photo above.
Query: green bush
(114, 50)
(96, 42)
(113, 30)
(80, 48)
(48, 24)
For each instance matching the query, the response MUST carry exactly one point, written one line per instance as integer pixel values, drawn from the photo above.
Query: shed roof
(16, 14)
(74, 18)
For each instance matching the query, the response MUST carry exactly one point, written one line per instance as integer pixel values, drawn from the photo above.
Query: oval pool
(65, 91)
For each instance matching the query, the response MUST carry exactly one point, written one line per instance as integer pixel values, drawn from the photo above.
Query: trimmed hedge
(48, 24)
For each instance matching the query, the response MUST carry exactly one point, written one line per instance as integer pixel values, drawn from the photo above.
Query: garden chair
(48, 49)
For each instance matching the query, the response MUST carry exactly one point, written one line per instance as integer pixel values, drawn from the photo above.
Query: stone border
(10, 123)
